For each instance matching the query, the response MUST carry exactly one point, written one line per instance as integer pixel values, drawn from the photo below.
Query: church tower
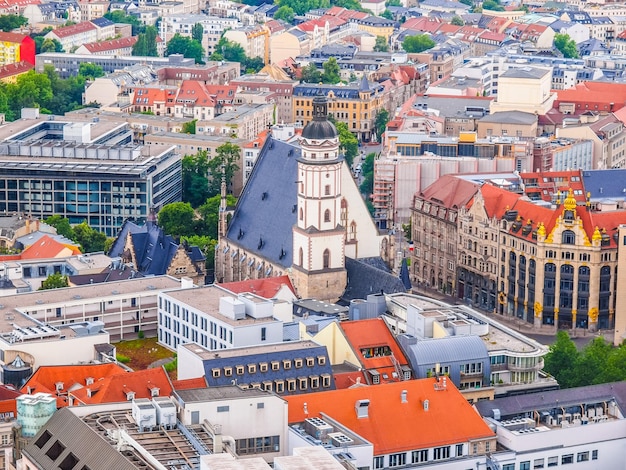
(318, 268)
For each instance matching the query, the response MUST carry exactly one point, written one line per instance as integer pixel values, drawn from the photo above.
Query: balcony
(518, 368)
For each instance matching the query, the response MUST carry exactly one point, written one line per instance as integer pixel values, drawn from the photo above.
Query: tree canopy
(187, 47)
(380, 124)
(493, 5)
(226, 160)
(300, 7)
(417, 43)
(118, 16)
(90, 71)
(348, 143)
(195, 178)
(146, 45)
(310, 74)
(285, 13)
(381, 44)
(177, 219)
(10, 22)
(233, 52)
(598, 362)
(566, 45)
(55, 281)
(331, 71)
(89, 239)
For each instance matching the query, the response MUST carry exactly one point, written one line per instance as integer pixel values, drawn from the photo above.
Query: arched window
(327, 190)
(327, 215)
(301, 214)
(301, 257)
(568, 237)
(352, 234)
(326, 262)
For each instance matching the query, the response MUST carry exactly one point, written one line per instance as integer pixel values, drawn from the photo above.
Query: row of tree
(598, 362)
(89, 239)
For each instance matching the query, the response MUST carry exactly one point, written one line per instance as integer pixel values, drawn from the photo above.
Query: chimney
(426, 404)
(403, 396)
(362, 408)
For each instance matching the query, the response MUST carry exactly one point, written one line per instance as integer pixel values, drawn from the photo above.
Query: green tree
(185, 46)
(229, 50)
(310, 74)
(381, 44)
(55, 281)
(380, 124)
(348, 143)
(566, 45)
(90, 240)
(118, 16)
(561, 360)
(195, 178)
(417, 43)
(492, 5)
(469, 3)
(591, 364)
(285, 13)
(209, 214)
(368, 164)
(90, 71)
(146, 45)
(206, 245)
(387, 15)
(31, 90)
(189, 127)
(331, 71)
(226, 160)
(177, 219)
(10, 22)
(300, 7)
(253, 64)
(457, 21)
(62, 226)
(48, 45)
(197, 31)
(393, 3)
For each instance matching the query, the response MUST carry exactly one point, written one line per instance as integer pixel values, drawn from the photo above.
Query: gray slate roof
(603, 184)
(269, 218)
(87, 446)
(366, 276)
(446, 350)
(510, 117)
(525, 72)
(518, 404)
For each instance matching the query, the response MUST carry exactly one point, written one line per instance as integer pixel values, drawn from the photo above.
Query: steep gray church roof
(367, 276)
(266, 210)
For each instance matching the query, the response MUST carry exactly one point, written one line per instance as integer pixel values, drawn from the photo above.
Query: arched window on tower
(327, 215)
(301, 257)
(326, 262)
(352, 233)
(301, 214)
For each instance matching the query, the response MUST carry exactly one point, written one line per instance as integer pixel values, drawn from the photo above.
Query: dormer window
(130, 396)
(154, 392)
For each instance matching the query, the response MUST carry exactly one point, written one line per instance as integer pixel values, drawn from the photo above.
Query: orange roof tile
(46, 377)
(12, 37)
(15, 69)
(189, 384)
(116, 387)
(77, 28)
(349, 379)
(47, 247)
(391, 424)
(364, 336)
(266, 288)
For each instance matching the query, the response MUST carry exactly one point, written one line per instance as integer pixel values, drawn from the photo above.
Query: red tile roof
(47, 247)
(16, 68)
(266, 288)
(365, 336)
(46, 377)
(116, 388)
(113, 44)
(189, 384)
(78, 28)
(349, 379)
(451, 192)
(12, 37)
(393, 426)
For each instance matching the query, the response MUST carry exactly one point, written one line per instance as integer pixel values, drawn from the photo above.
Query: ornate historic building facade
(549, 265)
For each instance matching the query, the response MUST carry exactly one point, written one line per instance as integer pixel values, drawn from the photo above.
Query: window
(379, 462)
(326, 380)
(55, 450)
(440, 453)
(258, 445)
(263, 367)
(459, 450)
(286, 364)
(251, 368)
(223, 409)
(326, 259)
(263, 334)
(275, 365)
(239, 370)
(228, 371)
(594, 455)
(43, 439)
(321, 360)
(395, 460)
(310, 362)
(327, 188)
(315, 381)
(538, 463)
(69, 462)
(291, 385)
(298, 363)
(215, 373)
(524, 465)
(553, 461)
(582, 457)
(508, 466)
(418, 456)
(327, 215)
(567, 458)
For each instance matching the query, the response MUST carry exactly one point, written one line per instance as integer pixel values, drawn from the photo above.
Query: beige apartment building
(549, 266)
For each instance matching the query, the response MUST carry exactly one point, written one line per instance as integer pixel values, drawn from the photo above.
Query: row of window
(565, 459)
(264, 366)
(423, 455)
(291, 385)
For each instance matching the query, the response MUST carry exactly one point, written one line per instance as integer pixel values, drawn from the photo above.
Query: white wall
(190, 365)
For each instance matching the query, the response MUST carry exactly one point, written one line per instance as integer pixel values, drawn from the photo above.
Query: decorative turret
(597, 235)
(570, 201)
(541, 230)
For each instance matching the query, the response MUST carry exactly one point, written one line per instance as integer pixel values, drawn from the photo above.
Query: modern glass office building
(55, 167)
